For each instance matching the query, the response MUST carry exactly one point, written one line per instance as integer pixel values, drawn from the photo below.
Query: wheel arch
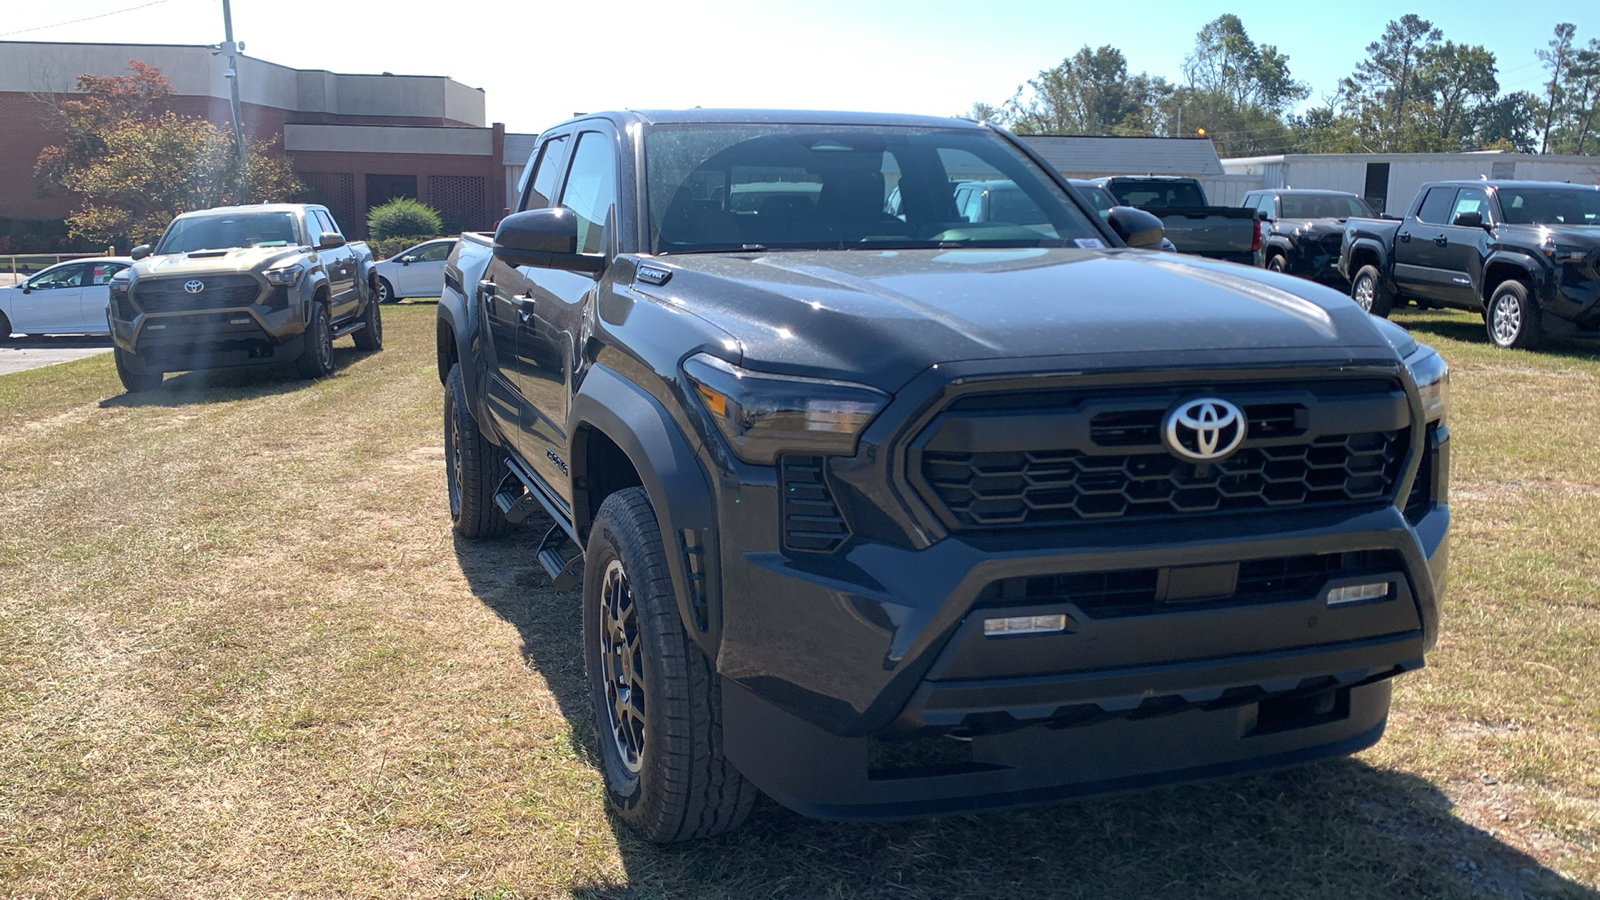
(1365, 253)
(622, 437)
(1499, 269)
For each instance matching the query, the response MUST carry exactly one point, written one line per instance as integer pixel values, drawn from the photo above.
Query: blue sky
(540, 62)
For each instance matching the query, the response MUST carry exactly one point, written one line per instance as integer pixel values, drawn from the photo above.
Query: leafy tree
(1089, 93)
(1556, 59)
(136, 165)
(1382, 85)
(1456, 81)
(1228, 64)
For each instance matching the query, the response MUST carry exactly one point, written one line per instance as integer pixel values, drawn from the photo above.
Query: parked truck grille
(1101, 458)
(217, 292)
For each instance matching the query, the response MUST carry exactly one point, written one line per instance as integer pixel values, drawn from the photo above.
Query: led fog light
(1024, 625)
(1358, 593)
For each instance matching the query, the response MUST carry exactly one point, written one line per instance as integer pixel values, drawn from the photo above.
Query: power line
(115, 12)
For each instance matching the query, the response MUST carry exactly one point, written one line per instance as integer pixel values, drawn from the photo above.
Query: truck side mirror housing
(140, 252)
(1263, 216)
(329, 240)
(1136, 227)
(544, 238)
(1469, 220)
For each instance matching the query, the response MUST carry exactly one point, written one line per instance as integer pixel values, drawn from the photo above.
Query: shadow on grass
(1468, 328)
(226, 385)
(1339, 829)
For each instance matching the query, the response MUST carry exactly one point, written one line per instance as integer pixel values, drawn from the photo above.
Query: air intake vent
(811, 520)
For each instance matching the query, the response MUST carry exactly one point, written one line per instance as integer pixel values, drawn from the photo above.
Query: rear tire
(134, 377)
(1370, 293)
(1512, 319)
(370, 337)
(316, 357)
(657, 703)
(473, 467)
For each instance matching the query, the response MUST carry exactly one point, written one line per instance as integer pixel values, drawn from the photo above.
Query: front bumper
(268, 331)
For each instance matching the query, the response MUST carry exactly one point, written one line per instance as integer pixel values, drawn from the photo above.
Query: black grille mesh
(220, 292)
(991, 489)
(811, 520)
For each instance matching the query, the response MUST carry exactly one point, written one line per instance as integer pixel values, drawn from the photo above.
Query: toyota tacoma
(239, 286)
(895, 515)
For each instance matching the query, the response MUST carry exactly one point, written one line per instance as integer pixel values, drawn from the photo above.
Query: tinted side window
(1435, 208)
(1265, 205)
(591, 189)
(434, 253)
(546, 174)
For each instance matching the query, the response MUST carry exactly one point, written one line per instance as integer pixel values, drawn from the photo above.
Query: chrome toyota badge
(195, 286)
(1204, 430)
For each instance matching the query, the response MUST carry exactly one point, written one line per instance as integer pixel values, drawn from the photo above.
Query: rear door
(501, 295)
(1420, 265)
(555, 299)
(96, 296)
(52, 302)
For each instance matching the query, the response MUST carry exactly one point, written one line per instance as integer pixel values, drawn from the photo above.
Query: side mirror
(140, 252)
(407, 260)
(1469, 220)
(329, 240)
(27, 288)
(1136, 227)
(545, 238)
(1263, 216)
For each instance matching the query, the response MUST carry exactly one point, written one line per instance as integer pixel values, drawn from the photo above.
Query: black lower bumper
(820, 774)
(210, 340)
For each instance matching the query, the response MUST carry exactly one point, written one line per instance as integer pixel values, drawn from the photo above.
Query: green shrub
(403, 217)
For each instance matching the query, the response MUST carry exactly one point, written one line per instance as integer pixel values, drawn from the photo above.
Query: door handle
(1442, 241)
(486, 289)
(1404, 236)
(527, 305)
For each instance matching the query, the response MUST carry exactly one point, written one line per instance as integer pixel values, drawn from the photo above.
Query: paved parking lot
(31, 352)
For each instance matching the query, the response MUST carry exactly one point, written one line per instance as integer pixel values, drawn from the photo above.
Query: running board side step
(343, 330)
(563, 571)
(514, 499)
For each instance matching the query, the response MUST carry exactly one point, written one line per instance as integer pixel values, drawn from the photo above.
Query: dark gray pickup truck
(894, 514)
(1193, 225)
(1523, 254)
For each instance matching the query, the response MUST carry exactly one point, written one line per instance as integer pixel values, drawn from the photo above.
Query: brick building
(355, 140)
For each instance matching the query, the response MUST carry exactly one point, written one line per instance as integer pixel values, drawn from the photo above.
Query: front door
(52, 302)
(340, 264)
(96, 296)
(1461, 252)
(551, 330)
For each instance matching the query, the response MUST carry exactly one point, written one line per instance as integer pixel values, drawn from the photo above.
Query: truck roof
(1510, 182)
(771, 117)
(258, 207)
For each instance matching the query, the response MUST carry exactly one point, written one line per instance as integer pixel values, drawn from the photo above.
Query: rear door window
(1435, 209)
(546, 174)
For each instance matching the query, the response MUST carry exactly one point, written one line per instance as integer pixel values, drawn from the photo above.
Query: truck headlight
(763, 415)
(1432, 376)
(1564, 253)
(284, 277)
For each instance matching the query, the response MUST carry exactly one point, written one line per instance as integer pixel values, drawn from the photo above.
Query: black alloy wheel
(316, 357)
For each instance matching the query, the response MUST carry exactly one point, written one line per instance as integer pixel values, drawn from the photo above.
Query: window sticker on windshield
(1089, 243)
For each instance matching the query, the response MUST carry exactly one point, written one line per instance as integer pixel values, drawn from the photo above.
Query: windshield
(187, 234)
(773, 187)
(1550, 206)
(1157, 194)
(1323, 206)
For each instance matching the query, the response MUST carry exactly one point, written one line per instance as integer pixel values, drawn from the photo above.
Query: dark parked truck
(894, 517)
(1523, 254)
(239, 286)
(1193, 225)
(1302, 230)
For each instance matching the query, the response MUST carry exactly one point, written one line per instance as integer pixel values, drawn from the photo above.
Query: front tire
(1370, 293)
(316, 357)
(135, 378)
(370, 337)
(1512, 319)
(472, 464)
(1276, 263)
(657, 705)
(385, 290)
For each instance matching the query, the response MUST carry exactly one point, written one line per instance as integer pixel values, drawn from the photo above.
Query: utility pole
(233, 49)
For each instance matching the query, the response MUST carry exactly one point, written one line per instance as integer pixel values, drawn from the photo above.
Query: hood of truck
(242, 260)
(881, 317)
(1585, 236)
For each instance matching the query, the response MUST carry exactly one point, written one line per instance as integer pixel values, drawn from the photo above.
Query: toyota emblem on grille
(1205, 430)
(195, 286)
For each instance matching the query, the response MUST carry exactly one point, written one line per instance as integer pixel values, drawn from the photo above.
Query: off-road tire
(1370, 293)
(679, 785)
(370, 337)
(316, 356)
(473, 467)
(1512, 319)
(135, 378)
(385, 291)
(1276, 263)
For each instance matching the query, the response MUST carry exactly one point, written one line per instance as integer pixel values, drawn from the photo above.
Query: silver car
(415, 272)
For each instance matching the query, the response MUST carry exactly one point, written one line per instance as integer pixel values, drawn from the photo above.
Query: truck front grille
(995, 461)
(217, 292)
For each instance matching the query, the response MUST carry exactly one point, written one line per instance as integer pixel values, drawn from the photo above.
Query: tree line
(1413, 92)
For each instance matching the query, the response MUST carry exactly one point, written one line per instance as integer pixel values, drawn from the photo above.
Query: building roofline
(1458, 156)
(254, 59)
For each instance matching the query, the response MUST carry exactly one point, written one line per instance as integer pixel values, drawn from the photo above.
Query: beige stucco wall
(389, 139)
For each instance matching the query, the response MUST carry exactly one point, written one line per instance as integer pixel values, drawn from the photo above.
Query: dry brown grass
(241, 655)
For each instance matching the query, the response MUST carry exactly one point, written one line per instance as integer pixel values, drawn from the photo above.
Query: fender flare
(672, 475)
(1362, 244)
(316, 280)
(1530, 267)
